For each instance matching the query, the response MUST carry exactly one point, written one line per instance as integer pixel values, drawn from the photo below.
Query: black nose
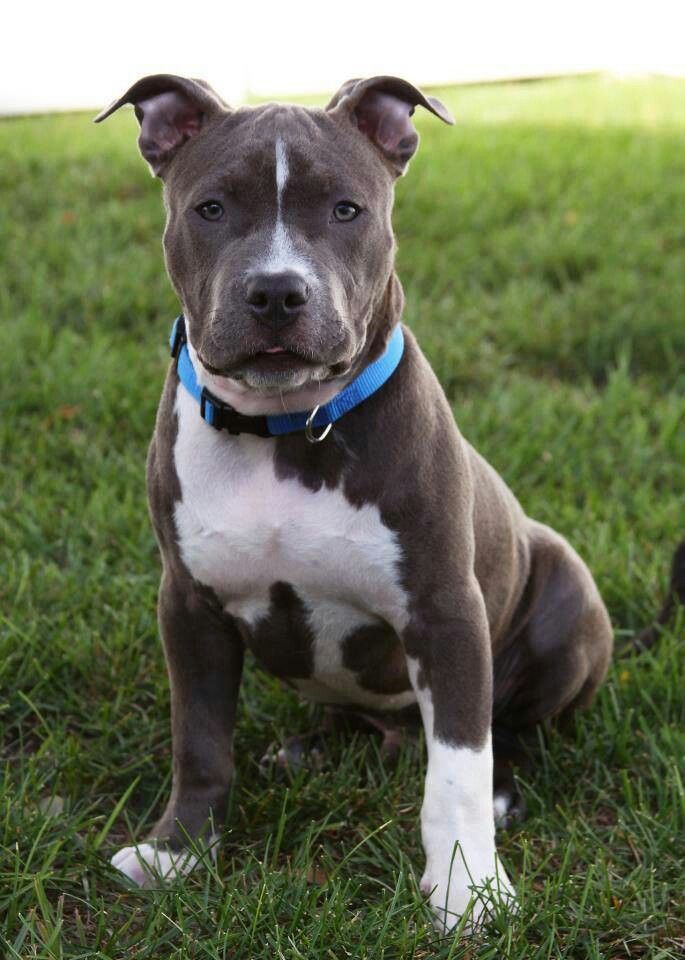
(276, 298)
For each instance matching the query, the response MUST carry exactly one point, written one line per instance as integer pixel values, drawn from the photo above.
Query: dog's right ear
(170, 111)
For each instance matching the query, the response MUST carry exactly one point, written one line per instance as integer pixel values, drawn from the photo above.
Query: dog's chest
(306, 572)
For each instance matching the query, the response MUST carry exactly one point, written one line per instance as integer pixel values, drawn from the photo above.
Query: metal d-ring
(309, 425)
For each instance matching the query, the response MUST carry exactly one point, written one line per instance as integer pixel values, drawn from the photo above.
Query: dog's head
(278, 237)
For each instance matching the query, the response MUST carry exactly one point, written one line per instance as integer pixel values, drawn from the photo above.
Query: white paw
(500, 806)
(508, 809)
(456, 893)
(149, 866)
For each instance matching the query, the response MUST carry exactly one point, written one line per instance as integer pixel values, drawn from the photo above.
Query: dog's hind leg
(553, 661)
(510, 754)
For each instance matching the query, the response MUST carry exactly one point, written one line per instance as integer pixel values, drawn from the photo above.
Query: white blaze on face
(457, 809)
(282, 256)
(282, 172)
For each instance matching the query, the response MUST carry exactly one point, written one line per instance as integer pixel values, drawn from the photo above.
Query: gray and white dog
(385, 569)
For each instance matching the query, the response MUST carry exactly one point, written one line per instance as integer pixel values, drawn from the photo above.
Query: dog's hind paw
(150, 866)
(509, 809)
(297, 753)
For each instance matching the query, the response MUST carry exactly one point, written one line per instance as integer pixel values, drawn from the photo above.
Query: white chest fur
(241, 529)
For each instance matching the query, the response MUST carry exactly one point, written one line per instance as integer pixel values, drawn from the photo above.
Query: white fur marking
(282, 255)
(333, 682)
(241, 529)
(282, 171)
(500, 806)
(148, 865)
(457, 807)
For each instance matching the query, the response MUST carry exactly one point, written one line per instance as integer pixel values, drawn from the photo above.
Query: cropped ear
(382, 108)
(170, 111)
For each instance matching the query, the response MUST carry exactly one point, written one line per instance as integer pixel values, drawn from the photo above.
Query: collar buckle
(208, 409)
(222, 416)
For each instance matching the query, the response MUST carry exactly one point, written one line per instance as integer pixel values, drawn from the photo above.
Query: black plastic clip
(178, 336)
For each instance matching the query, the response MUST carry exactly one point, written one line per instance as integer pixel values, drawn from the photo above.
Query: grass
(542, 249)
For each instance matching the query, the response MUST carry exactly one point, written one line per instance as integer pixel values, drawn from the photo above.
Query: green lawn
(542, 250)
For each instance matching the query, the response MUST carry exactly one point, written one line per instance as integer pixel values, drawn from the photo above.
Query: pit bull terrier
(313, 499)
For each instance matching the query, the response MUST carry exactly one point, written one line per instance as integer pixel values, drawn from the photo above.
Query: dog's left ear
(382, 108)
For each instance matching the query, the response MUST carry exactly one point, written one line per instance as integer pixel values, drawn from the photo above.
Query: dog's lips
(274, 358)
(277, 365)
(265, 355)
(268, 359)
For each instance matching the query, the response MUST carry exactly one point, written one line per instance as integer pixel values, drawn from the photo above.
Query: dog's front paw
(454, 894)
(151, 866)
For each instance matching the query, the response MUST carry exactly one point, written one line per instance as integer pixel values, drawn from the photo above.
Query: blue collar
(221, 416)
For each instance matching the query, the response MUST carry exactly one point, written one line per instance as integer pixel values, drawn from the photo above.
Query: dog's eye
(346, 210)
(210, 210)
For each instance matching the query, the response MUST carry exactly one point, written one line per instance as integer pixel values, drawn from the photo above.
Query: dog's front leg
(450, 667)
(204, 655)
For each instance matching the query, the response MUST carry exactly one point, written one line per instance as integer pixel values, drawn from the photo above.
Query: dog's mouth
(278, 359)
(269, 359)
(271, 368)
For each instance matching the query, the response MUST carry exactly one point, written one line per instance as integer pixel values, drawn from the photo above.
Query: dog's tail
(676, 596)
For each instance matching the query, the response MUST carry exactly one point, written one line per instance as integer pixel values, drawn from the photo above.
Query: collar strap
(222, 416)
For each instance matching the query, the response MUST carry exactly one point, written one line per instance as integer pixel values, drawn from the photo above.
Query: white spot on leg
(457, 824)
(148, 866)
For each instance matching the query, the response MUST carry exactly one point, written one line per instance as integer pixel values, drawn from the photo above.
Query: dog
(312, 497)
